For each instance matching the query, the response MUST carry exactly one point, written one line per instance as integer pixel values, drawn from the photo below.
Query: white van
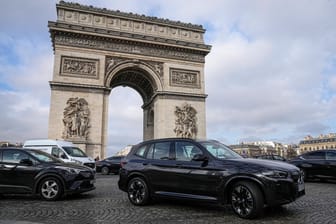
(63, 150)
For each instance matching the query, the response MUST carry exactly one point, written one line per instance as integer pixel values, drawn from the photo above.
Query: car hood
(267, 164)
(74, 166)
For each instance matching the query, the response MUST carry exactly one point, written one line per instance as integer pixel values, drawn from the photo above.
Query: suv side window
(160, 150)
(150, 152)
(331, 156)
(141, 151)
(185, 151)
(13, 156)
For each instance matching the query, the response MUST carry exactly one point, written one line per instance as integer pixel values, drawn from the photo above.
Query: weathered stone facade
(96, 50)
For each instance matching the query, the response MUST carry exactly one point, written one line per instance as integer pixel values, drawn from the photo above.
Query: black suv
(319, 164)
(207, 171)
(35, 172)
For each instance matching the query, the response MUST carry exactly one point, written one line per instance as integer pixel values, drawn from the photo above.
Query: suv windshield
(44, 157)
(220, 151)
(74, 151)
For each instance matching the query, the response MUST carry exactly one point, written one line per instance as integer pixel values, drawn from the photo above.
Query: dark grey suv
(207, 171)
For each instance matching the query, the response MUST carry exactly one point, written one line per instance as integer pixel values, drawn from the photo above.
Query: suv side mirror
(199, 157)
(27, 162)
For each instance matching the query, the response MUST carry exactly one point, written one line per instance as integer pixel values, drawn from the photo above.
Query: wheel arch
(46, 175)
(141, 175)
(233, 180)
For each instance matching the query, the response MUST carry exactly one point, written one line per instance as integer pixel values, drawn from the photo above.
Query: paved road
(107, 204)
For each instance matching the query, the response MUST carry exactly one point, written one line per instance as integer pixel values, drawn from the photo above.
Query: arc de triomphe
(97, 49)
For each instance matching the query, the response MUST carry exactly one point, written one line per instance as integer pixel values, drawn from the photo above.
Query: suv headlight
(70, 170)
(279, 174)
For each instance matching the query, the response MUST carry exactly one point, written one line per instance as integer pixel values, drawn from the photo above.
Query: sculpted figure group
(76, 119)
(185, 122)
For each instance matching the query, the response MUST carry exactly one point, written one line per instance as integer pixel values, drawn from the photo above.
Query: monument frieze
(184, 78)
(79, 67)
(127, 47)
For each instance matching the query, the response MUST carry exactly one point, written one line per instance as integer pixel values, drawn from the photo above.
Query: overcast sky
(271, 73)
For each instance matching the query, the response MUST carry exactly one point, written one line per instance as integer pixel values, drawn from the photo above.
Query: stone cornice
(75, 87)
(53, 26)
(176, 96)
(117, 13)
(108, 43)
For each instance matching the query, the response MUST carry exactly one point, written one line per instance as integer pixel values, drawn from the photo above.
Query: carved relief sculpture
(79, 67)
(185, 122)
(76, 119)
(184, 78)
(112, 62)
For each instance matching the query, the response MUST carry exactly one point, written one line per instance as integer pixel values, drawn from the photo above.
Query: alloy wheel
(138, 192)
(242, 200)
(50, 189)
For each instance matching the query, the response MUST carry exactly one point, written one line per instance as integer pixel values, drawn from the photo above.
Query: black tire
(105, 170)
(50, 189)
(247, 200)
(138, 192)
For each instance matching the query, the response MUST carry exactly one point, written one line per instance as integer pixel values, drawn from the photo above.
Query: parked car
(109, 165)
(271, 157)
(207, 171)
(317, 164)
(25, 171)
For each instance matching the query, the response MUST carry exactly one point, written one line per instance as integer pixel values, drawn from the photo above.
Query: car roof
(3, 148)
(164, 139)
(178, 138)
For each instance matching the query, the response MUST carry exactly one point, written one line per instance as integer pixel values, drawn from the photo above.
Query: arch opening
(145, 85)
(125, 119)
(135, 79)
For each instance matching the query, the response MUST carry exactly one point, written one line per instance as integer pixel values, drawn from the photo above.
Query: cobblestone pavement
(107, 204)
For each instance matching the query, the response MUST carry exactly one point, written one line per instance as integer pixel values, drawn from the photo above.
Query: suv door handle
(8, 167)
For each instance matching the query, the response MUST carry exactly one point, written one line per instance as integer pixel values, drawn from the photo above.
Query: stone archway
(98, 49)
(143, 78)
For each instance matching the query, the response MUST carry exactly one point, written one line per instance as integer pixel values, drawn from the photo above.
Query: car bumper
(278, 192)
(81, 186)
(82, 182)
